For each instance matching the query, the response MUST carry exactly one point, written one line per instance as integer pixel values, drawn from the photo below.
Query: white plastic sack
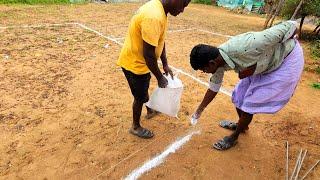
(167, 100)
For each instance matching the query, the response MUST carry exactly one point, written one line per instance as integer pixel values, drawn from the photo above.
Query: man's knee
(141, 99)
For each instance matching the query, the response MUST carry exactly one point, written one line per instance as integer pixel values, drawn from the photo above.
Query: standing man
(269, 64)
(143, 45)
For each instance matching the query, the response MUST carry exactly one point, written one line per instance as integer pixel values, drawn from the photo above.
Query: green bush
(208, 2)
(40, 1)
(316, 85)
(315, 48)
(309, 7)
(288, 8)
(318, 70)
(314, 43)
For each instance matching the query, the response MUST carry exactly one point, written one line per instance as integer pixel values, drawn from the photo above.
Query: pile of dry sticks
(299, 162)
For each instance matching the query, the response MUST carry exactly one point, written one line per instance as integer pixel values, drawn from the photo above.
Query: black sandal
(143, 133)
(228, 125)
(224, 144)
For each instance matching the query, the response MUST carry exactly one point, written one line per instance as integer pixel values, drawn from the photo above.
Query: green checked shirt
(266, 48)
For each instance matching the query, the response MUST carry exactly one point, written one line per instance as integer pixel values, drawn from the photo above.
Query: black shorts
(139, 85)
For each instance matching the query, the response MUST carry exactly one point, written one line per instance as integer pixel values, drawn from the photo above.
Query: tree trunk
(293, 17)
(317, 33)
(267, 21)
(279, 7)
(315, 29)
(301, 23)
(272, 10)
(268, 7)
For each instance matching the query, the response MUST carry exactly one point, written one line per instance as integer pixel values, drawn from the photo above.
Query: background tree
(301, 9)
(317, 29)
(273, 9)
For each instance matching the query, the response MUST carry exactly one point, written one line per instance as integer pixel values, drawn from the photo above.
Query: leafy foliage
(208, 2)
(41, 1)
(309, 7)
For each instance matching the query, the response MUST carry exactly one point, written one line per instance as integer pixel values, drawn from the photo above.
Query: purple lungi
(268, 93)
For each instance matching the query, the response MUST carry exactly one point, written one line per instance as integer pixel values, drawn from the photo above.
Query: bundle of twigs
(298, 165)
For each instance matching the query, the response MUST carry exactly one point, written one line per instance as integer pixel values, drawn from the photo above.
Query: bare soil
(65, 107)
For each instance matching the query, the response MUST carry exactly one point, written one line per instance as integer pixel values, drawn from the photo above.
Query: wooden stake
(300, 165)
(297, 163)
(287, 163)
(310, 170)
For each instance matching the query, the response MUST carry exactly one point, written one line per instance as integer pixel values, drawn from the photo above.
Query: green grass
(318, 70)
(208, 2)
(315, 49)
(316, 85)
(41, 1)
(314, 43)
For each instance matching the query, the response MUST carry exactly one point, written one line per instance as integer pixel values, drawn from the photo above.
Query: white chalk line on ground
(181, 30)
(184, 30)
(147, 166)
(111, 27)
(173, 147)
(99, 33)
(188, 29)
(128, 157)
(37, 25)
(63, 24)
(117, 26)
(222, 89)
(119, 38)
(169, 31)
(213, 33)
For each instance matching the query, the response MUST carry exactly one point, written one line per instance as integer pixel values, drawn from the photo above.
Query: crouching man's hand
(195, 116)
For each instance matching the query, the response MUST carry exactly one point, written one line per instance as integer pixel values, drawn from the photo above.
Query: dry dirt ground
(65, 107)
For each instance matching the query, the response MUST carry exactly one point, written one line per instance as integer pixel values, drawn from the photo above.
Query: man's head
(206, 58)
(175, 7)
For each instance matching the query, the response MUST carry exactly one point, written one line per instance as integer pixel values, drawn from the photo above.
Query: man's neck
(221, 61)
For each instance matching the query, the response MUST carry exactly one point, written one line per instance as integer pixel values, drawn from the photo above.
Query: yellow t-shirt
(149, 24)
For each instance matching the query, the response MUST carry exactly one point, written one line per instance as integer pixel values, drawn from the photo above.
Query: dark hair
(201, 54)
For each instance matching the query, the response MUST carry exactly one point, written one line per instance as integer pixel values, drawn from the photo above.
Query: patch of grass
(318, 70)
(314, 43)
(315, 49)
(316, 85)
(208, 2)
(41, 1)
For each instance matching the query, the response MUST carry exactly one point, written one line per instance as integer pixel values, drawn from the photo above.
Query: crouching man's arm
(214, 87)
(208, 97)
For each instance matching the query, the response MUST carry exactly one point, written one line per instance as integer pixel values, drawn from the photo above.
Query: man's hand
(195, 116)
(167, 70)
(249, 71)
(162, 82)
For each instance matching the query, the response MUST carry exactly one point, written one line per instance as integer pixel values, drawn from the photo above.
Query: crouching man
(269, 64)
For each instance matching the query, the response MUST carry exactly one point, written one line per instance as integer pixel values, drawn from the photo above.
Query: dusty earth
(65, 107)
